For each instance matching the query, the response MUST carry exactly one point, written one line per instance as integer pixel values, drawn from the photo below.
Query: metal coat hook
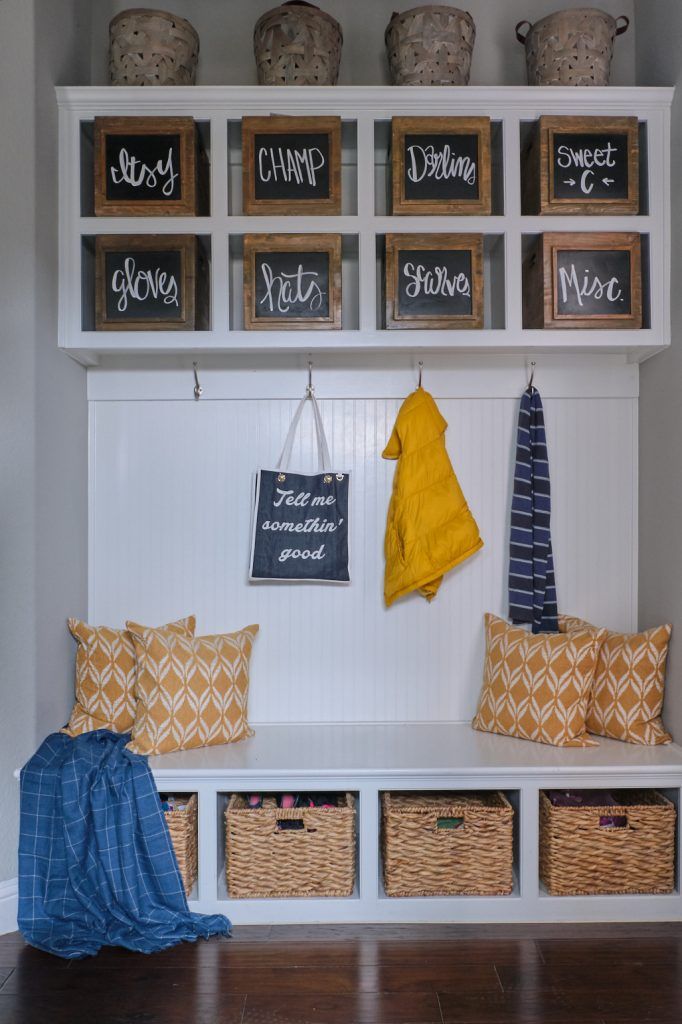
(532, 375)
(421, 368)
(310, 390)
(198, 390)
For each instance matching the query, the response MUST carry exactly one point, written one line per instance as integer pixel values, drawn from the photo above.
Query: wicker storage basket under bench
(447, 844)
(583, 851)
(263, 860)
(182, 825)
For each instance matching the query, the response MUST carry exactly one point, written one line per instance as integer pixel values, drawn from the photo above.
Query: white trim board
(171, 378)
(9, 902)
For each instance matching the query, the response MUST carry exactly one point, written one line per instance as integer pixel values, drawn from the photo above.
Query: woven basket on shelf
(423, 859)
(297, 44)
(264, 861)
(430, 45)
(148, 47)
(182, 825)
(572, 47)
(580, 856)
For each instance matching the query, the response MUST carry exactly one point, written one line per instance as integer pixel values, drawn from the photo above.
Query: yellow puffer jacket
(430, 528)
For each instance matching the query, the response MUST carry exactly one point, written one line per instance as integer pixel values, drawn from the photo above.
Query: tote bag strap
(323, 459)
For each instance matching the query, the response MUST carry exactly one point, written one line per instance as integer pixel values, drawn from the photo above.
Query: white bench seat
(369, 758)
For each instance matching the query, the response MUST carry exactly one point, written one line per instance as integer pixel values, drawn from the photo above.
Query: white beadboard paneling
(171, 490)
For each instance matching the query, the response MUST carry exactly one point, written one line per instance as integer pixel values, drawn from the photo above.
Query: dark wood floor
(568, 974)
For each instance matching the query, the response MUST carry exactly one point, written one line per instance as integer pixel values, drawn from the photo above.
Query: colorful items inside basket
(169, 802)
(293, 800)
(592, 798)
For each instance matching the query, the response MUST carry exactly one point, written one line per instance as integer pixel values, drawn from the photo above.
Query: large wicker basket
(430, 45)
(182, 825)
(580, 856)
(572, 47)
(263, 860)
(447, 844)
(150, 47)
(297, 44)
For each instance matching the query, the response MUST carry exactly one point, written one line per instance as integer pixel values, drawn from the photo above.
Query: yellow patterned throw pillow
(629, 684)
(192, 691)
(106, 667)
(536, 687)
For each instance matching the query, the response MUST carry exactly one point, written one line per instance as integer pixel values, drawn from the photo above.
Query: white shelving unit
(367, 360)
(366, 113)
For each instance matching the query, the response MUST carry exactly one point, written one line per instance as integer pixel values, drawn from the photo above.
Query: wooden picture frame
(182, 317)
(399, 319)
(540, 184)
(403, 127)
(279, 287)
(290, 128)
(546, 285)
(145, 129)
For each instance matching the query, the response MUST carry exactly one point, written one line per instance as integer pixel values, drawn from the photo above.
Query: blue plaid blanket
(96, 864)
(532, 590)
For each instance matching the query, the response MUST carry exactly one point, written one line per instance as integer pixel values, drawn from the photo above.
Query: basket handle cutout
(622, 28)
(613, 821)
(522, 39)
(290, 825)
(449, 824)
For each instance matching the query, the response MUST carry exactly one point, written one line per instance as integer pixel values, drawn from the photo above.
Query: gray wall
(43, 409)
(225, 29)
(659, 62)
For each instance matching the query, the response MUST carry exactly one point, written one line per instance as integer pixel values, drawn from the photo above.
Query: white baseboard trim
(9, 900)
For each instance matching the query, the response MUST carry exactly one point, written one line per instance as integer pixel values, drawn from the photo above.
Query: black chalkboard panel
(594, 282)
(440, 166)
(291, 285)
(434, 282)
(140, 168)
(143, 285)
(590, 165)
(301, 527)
(293, 165)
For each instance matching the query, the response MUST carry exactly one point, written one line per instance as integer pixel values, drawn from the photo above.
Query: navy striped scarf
(532, 590)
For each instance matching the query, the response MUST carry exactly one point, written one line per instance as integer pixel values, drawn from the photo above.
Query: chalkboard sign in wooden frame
(291, 165)
(584, 280)
(292, 282)
(145, 167)
(577, 165)
(145, 282)
(444, 289)
(447, 172)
